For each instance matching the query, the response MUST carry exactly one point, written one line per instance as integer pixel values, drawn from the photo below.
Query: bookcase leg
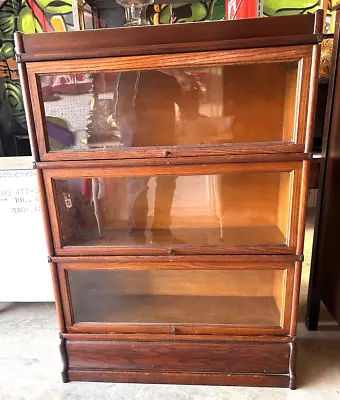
(62, 349)
(292, 366)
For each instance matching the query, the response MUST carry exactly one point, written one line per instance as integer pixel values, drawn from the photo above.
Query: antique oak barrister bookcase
(173, 164)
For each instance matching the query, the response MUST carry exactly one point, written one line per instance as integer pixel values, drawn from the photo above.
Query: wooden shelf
(239, 236)
(228, 310)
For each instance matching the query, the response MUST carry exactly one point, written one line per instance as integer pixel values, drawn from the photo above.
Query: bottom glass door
(155, 297)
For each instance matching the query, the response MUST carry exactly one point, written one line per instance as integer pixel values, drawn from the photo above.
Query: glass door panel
(231, 209)
(224, 297)
(171, 107)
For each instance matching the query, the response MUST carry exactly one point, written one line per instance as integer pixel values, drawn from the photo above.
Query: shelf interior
(245, 209)
(171, 107)
(242, 236)
(226, 297)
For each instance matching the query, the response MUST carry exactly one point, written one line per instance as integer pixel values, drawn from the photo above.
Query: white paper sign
(24, 270)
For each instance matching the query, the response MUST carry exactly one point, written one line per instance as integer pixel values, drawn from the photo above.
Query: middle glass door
(211, 210)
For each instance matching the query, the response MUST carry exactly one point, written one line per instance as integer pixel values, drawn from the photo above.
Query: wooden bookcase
(173, 165)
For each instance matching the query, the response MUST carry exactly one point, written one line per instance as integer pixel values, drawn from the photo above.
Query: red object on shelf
(240, 9)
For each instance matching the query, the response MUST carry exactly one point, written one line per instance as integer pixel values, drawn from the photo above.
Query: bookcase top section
(177, 38)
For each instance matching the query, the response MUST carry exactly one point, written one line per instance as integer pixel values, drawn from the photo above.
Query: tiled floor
(30, 363)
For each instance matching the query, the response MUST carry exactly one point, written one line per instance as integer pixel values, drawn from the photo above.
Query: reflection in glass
(229, 297)
(227, 209)
(135, 11)
(168, 107)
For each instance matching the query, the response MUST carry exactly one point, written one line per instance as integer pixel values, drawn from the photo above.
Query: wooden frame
(277, 356)
(301, 55)
(218, 35)
(181, 170)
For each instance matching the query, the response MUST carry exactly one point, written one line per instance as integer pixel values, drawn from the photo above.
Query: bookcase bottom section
(237, 363)
(262, 380)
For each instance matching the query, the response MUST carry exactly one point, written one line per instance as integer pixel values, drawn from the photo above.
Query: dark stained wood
(65, 298)
(165, 338)
(163, 329)
(187, 329)
(45, 214)
(53, 228)
(312, 97)
(185, 262)
(175, 249)
(151, 62)
(261, 380)
(313, 181)
(325, 273)
(304, 91)
(181, 362)
(255, 152)
(170, 48)
(152, 249)
(319, 21)
(170, 38)
(64, 359)
(165, 169)
(300, 54)
(57, 296)
(249, 246)
(292, 365)
(295, 300)
(287, 299)
(179, 356)
(294, 210)
(262, 321)
(38, 114)
(302, 210)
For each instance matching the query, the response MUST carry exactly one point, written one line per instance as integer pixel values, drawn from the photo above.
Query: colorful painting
(186, 12)
(286, 7)
(28, 16)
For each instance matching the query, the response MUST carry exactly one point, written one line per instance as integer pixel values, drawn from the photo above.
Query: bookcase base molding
(247, 362)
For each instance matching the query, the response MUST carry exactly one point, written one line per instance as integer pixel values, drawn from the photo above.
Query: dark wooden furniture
(324, 284)
(175, 236)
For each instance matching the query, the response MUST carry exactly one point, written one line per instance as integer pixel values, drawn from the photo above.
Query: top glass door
(171, 107)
